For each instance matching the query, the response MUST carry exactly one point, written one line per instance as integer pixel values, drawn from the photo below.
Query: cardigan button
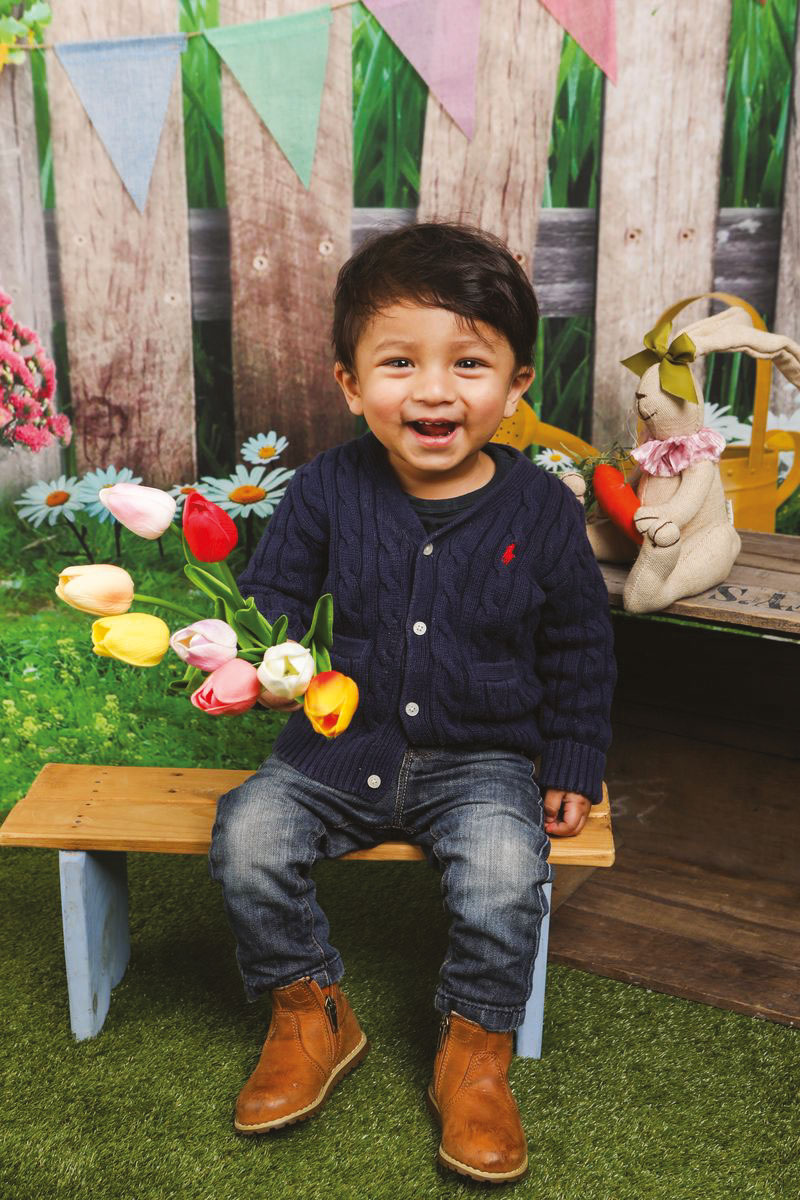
(374, 781)
(427, 549)
(412, 708)
(420, 627)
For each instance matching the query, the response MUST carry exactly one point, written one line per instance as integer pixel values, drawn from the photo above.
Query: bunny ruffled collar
(673, 455)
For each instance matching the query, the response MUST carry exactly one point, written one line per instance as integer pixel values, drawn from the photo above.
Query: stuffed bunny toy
(689, 542)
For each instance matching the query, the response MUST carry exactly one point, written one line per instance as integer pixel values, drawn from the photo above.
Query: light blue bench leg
(94, 912)
(529, 1034)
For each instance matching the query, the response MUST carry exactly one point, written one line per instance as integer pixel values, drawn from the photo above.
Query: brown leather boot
(313, 1041)
(469, 1095)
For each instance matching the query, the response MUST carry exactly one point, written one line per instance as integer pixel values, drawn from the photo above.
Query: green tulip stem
(227, 577)
(178, 608)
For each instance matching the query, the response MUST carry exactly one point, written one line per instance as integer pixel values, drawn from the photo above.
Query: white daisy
(181, 490)
(720, 417)
(245, 492)
(263, 447)
(553, 460)
(93, 481)
(49, 501)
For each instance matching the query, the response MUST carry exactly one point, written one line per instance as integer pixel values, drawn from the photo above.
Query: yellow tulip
(101, 588)
(330, 701)
(136, 638)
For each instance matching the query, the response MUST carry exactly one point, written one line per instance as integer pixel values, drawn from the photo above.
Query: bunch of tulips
(234, 657)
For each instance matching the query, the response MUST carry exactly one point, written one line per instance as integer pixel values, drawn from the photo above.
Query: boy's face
(417, 363)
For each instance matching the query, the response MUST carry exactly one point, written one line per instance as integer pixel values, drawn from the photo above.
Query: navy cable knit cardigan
(491, 632)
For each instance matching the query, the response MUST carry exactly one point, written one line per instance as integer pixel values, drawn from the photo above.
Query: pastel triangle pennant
(124, 85)
(280, 64)
(440, 39)
(593, 25)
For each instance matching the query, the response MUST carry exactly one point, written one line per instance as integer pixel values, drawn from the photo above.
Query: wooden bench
(94, 815)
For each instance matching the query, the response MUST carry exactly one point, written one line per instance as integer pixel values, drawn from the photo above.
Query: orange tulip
(330, 701)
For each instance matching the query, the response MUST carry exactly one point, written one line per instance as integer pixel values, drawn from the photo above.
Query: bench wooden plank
(170, 810)
(762, 590)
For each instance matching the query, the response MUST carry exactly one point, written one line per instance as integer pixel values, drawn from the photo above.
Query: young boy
(470, 611)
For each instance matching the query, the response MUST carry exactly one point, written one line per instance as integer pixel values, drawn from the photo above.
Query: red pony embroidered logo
(508, 553)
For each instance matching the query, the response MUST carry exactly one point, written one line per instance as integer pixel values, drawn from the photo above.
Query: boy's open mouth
(434, 430)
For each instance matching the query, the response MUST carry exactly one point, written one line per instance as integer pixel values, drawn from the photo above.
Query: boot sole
(354, 1058)
(453, 1164)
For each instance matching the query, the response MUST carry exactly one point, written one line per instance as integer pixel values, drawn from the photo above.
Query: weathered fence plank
(124, 274)
(662, 138)
(496, 180)
(785, 398)
(287, 245)
(23, 264)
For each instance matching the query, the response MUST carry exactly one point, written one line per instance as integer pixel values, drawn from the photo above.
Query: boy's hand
(270, 700)
(566, 813)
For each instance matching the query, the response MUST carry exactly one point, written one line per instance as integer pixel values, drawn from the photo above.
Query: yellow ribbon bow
(673, 359)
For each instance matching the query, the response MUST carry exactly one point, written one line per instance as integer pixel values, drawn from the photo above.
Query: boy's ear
(348, 382)
(519, 384)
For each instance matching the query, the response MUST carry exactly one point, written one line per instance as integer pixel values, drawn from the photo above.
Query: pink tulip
(232, 688)
(146, 511)
(206, 644)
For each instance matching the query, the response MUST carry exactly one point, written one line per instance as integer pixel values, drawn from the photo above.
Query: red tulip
(209, 530)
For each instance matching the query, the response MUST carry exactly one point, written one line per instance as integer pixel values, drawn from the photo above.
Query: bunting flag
(593, 25)
(124, 85)
(280, 65)
(440, 40)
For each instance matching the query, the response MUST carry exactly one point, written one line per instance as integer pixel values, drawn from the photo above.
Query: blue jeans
(478, 816)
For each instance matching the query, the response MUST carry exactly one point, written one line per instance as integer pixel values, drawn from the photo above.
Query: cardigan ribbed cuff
(573, 767)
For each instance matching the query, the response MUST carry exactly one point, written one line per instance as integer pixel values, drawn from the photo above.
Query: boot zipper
(333, 1016)
(444, 1027)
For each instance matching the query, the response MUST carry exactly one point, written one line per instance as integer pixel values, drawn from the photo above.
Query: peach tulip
(286, 669)
(136, 638)
(330, 701)
(206, 644)
(146, 511)
(231, 689)
(101, 588)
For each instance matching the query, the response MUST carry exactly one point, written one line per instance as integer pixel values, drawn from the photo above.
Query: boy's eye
(470, 363)
(393, 362)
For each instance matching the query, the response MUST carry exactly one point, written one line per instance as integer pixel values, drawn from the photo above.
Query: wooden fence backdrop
(127, 284)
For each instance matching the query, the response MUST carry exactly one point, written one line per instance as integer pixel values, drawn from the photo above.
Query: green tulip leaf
(279, 630)
(188, 683)
(321, 628)
(248, 617)
(209, 584)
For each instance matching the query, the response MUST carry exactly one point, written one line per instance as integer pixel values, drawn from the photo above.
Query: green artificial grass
(637, 1096)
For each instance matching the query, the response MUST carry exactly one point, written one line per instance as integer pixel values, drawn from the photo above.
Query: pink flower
(34, 438)
(206, 644)
(231, 689)
(27, 409)
(146, 511)
(6, 415)
(59, 425)
(49, 375)
(17, 364)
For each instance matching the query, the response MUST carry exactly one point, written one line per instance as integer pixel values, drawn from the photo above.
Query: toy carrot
(617, 499)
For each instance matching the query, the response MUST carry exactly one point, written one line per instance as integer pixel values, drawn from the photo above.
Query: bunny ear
(708, 333)
(758, 343)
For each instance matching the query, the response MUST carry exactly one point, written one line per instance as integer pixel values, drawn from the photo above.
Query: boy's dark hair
(442, 264)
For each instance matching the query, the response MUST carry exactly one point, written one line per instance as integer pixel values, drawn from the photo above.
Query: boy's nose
(433, 385)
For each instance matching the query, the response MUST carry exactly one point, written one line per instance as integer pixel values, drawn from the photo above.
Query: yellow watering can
(749, 473)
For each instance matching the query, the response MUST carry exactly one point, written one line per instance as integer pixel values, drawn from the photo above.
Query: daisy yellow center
(556, 457)
(56, 498)
(266, 451)
(246, 494)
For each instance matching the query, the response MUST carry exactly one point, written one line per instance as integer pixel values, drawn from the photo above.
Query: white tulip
(286, 670)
